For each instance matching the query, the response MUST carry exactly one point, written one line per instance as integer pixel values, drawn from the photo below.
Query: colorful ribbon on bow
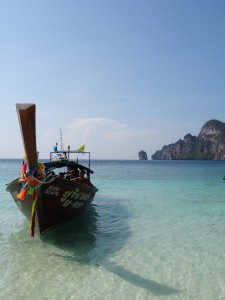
(31, 182)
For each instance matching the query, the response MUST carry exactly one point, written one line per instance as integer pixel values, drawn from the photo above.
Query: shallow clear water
(156, 230)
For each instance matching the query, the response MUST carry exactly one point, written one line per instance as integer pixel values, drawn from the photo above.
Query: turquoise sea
(156, 230)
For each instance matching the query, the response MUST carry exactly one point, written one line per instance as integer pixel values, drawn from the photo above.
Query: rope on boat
(43, 182)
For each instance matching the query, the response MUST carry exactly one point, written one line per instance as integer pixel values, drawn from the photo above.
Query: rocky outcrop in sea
(208, 145)
(142, 155)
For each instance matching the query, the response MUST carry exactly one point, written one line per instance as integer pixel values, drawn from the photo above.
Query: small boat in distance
(53, 192)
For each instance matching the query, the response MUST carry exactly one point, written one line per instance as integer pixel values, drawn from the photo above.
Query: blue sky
(118, 76)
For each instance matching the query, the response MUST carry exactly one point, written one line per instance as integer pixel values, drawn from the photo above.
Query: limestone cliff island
(142, 155)
(208, 145)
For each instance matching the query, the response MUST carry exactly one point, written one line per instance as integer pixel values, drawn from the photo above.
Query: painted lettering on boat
(15, 194)
(52, 190)
(72, 204)
(69, 198)
(75, 195)
(17, 200)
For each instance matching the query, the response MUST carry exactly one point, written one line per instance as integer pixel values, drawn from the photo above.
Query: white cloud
(88, 127)
(106, 138)
(92, 123)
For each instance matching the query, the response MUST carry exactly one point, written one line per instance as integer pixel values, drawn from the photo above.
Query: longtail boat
(50, 193)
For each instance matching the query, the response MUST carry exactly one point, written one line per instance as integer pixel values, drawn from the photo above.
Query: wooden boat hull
(58, 201)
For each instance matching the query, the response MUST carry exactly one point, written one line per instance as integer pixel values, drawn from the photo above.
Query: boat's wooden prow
(27, 120)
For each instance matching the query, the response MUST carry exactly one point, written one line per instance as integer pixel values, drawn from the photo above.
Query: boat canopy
(68, 161)
(49, 166)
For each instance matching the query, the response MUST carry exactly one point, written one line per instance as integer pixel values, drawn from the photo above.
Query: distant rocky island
(142, 155)
(208, 145)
